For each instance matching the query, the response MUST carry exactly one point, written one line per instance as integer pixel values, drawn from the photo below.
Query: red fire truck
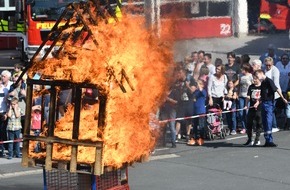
(274, 15)
(29, 21)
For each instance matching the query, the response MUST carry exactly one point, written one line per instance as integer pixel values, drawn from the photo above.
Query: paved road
(219, 164)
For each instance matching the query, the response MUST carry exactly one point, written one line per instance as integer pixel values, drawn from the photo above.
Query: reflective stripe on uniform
(4, 25)
(265, 16)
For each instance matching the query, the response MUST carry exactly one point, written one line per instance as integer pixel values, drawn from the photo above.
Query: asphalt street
(220, 164)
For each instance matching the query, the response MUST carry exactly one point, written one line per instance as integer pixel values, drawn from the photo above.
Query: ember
(122, 47)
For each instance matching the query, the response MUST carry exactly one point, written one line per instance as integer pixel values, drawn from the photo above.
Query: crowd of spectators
(13, 109)
(225, 83)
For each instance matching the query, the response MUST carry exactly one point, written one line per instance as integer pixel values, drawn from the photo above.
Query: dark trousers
(199, 127)
(254, 116)
(3, 134)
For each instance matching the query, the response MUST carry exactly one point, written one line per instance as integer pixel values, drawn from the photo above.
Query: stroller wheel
(208, 134)
(211, 136)
(223, 134)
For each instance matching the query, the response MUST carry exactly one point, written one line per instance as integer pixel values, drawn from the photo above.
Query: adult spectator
(199, 64)
(65, 96)
(256, 64)
(216, 86)
(201, 54)
(168, 111)
(284, 68)
(189, 65)
(273, 73)
(17, 69)
(232, 69)
(245, 59)
(185, 90)
(194, 56)
(4, 88)
(270, 53)
(268, 89)
(208, 63)
(245, 81)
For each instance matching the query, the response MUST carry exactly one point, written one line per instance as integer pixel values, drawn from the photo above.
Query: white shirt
(284, 78)
(274, 74)
(3, 96)
(217, 88)
(211, 69)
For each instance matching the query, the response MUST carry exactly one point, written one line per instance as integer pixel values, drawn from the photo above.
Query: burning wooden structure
(72, 27)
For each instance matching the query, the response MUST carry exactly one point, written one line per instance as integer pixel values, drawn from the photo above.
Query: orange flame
(148, 63)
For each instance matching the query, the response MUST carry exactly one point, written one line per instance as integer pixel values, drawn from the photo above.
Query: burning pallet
(88, 58)
(72, 27)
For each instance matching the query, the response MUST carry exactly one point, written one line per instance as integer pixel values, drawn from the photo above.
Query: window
(12, 3)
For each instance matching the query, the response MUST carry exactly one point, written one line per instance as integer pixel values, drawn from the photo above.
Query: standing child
(230, 103)
(14, 127)
(254, 113)
(230, 95)
(199, 108)
(36, 124)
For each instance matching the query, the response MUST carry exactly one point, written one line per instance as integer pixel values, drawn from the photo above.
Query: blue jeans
(13, 135)
(274, 123)
(267, 119)
(232, 118)
(169, 114)
(199, 127)
(37, 147)
(243, 113)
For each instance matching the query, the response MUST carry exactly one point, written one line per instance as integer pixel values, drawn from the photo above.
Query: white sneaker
(257, 143)
(233, 132)
(178, 137)
(275, 130)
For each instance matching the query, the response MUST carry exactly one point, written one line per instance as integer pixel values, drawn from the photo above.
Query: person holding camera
(14, 127)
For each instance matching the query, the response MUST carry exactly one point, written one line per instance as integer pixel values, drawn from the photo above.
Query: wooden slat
(98, 165)
(71, 142)
(73, 161)
(48, 158)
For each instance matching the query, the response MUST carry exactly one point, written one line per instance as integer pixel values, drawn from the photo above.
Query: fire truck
(274, 15)
(29, 21)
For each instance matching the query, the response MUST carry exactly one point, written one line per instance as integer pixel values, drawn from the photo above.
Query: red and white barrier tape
(203, 115)
(11, 141)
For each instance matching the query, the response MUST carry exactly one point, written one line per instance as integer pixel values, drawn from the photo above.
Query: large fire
(147, 61)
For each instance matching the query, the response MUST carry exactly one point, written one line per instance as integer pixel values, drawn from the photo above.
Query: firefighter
(4, 25)
(118, 12)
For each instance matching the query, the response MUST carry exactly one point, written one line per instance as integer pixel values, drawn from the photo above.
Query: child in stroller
(215, 122)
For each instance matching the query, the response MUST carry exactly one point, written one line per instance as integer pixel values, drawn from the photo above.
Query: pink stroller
(215, 127)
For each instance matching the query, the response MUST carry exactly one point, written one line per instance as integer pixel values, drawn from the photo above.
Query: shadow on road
(260, 44)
